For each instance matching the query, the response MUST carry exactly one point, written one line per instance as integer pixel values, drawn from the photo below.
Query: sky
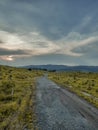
(34, 32)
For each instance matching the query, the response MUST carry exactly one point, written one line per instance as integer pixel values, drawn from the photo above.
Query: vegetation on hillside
(83, 84)
(17, 94)
(17, 98)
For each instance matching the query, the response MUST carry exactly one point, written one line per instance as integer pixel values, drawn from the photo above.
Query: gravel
(59, 109)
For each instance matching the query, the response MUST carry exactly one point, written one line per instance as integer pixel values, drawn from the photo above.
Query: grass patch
(17, 98)
(83, 84)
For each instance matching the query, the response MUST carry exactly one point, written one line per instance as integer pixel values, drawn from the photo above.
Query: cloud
(7, 58)
(52, 19)
(73, 41)
(1, 42)
(34, 28)
(15, 45)
(34, 44)
(13, 52)
(89, 50)
(85, 21)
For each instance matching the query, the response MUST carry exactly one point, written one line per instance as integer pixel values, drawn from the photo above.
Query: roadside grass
(17, 98)
(83, 84)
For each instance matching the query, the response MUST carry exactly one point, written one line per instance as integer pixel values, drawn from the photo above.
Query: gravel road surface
(59, 109)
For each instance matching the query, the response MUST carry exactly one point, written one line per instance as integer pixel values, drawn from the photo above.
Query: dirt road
(59, 109)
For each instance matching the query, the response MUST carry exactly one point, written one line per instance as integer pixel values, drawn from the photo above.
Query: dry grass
(83, 84)
(17, 98)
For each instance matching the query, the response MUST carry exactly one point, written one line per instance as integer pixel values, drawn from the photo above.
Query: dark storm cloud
(1, 42)
(54, 19)
(90, 51)
(12, 52)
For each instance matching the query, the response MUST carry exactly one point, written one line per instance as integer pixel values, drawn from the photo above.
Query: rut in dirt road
(58, 109)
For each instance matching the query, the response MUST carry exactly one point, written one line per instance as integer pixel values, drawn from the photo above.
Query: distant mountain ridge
(63, 68)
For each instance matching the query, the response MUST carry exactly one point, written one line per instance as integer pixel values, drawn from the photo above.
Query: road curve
(59, 109)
